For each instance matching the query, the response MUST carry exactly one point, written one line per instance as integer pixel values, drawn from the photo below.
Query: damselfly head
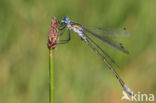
(65, 20)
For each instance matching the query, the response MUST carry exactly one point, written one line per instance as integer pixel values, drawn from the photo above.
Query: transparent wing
(110, 32)
(104, 53)
(106, 40)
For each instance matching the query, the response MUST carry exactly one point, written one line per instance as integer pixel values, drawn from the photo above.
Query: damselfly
(100, 34)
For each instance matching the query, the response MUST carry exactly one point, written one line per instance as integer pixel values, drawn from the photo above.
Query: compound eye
(66, 18)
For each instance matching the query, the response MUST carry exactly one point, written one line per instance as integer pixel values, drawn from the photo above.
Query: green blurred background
(80, 76)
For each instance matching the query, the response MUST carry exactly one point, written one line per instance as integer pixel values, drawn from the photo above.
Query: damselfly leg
(68, 37)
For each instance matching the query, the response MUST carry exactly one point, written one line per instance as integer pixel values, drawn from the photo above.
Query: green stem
(51, 80)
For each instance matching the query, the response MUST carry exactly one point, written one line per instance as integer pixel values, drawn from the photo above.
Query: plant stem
(51, 79)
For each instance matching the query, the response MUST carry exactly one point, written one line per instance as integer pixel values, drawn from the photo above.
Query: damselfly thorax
(77, 28)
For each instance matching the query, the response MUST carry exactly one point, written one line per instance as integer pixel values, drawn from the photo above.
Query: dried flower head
(53, 34)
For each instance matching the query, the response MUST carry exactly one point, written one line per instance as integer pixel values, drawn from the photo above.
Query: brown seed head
(53, 34)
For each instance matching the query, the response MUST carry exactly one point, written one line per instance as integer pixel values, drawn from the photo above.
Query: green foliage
(80, 76)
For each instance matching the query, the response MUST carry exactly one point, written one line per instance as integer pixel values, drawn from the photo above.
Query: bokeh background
(80, 76)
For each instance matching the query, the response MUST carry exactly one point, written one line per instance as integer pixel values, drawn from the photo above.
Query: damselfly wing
(103, 33)
(109, 31)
